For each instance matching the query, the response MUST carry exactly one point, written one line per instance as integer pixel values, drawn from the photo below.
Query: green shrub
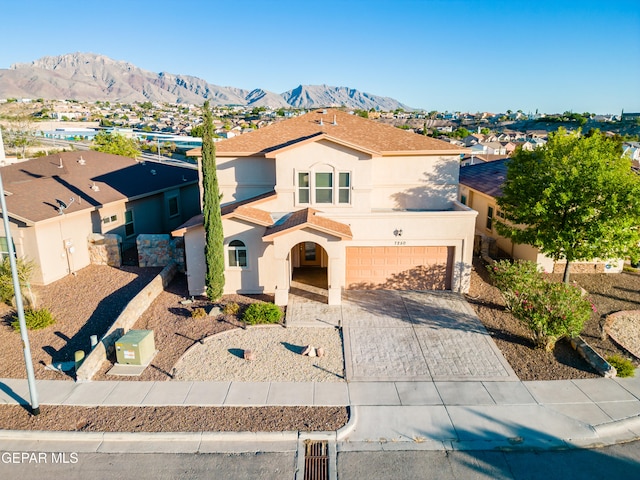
(35, 319)
(623, 366)
(231, 308)
(198, 312)
(262, 313)
(550, 310)
(25, 270)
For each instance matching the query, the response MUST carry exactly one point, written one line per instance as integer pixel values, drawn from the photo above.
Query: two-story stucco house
(56, 203)
(370, 205)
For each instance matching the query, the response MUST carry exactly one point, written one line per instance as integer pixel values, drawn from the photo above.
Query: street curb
(345, 431)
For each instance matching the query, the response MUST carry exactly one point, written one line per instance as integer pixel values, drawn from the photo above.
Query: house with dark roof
(365, 205)
(56, 203)
(480, 186)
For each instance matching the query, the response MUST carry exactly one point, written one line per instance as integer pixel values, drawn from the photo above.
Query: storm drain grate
(316, 460)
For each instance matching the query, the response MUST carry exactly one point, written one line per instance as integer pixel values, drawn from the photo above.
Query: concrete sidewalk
(384, 415)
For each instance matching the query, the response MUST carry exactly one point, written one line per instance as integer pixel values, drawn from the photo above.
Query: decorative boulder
(320, 351)
(249, 355)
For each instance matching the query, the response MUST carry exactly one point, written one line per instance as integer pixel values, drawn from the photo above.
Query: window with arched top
(237, 254)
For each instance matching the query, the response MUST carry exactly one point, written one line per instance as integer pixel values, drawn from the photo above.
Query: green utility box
(136, 347)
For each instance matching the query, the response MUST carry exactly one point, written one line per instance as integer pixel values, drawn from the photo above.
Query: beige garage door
(399, 268)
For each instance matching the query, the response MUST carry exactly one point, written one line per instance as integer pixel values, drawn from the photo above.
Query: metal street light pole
(35, 406)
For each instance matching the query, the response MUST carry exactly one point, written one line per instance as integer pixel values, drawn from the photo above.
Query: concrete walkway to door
(404, 335)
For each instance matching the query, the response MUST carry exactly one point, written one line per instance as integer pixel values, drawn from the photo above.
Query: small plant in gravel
(198, 312)
(623, 366)
(550, 310)
(231, 308)
(262, 313)
(25, 270)
(35, 319)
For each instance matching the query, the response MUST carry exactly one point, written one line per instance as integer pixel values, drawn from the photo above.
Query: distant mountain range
(91, 77)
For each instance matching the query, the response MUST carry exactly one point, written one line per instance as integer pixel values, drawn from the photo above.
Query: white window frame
(311, 188)
(235, 249)
(4, 248)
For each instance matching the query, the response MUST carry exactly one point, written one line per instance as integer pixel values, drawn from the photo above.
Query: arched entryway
(309, 270)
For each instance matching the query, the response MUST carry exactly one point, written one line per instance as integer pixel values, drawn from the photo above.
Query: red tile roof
(308, 218)
(348, 129)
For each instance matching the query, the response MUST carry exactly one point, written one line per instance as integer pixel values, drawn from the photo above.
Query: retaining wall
(134, 309)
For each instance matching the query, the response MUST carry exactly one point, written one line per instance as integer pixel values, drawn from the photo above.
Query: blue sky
(468, 55)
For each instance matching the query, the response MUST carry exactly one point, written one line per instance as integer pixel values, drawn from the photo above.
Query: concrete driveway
(404, 335)
(409, 336)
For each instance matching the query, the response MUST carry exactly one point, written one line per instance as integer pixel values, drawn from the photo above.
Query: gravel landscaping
(174, 419)
(277, 352)
(608, 292)
(87, 303)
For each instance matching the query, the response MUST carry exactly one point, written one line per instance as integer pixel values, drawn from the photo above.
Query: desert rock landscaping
(86, 304)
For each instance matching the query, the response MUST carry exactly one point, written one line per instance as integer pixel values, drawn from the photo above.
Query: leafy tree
(485, 131)
(116, 144)
(575, 198)
(361, 113)
(197, 130)
(214, 238)
(461, 133)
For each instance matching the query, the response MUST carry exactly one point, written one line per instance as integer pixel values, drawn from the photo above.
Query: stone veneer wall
(105, 249)
(158, 250)
(124, 322)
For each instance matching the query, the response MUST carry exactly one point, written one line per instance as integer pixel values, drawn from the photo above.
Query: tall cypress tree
(214, 238)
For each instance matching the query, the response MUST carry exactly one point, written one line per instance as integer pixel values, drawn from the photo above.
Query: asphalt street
(614, 462)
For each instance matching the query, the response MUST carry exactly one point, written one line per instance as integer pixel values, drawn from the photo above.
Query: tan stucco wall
(244, 177)
(481, 202)
(420, 182)
(55, 257)
(258, 277)
(323, 156)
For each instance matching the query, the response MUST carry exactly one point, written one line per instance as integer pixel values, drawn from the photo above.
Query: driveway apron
(417, 336)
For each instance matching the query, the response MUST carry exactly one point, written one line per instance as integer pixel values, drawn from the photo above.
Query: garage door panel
(400, 268)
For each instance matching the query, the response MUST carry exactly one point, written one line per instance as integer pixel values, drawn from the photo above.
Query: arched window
(237, 254)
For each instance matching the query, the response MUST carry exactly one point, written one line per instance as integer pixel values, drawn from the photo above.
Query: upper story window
(463, 199)
(324, 187)
(320, 188)
(344, 187)
(303, 188)
(237, 254)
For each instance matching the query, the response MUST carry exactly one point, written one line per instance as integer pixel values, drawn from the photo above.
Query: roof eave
(312, 226)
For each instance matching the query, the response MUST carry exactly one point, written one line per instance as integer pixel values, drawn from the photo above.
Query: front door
(309, 254)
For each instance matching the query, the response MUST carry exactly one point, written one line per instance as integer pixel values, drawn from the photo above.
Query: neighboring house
(473, 158)
(631, 150)
(480, 185)
(494, 148)
(102, 193)
(371, 205)
(509, 147)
